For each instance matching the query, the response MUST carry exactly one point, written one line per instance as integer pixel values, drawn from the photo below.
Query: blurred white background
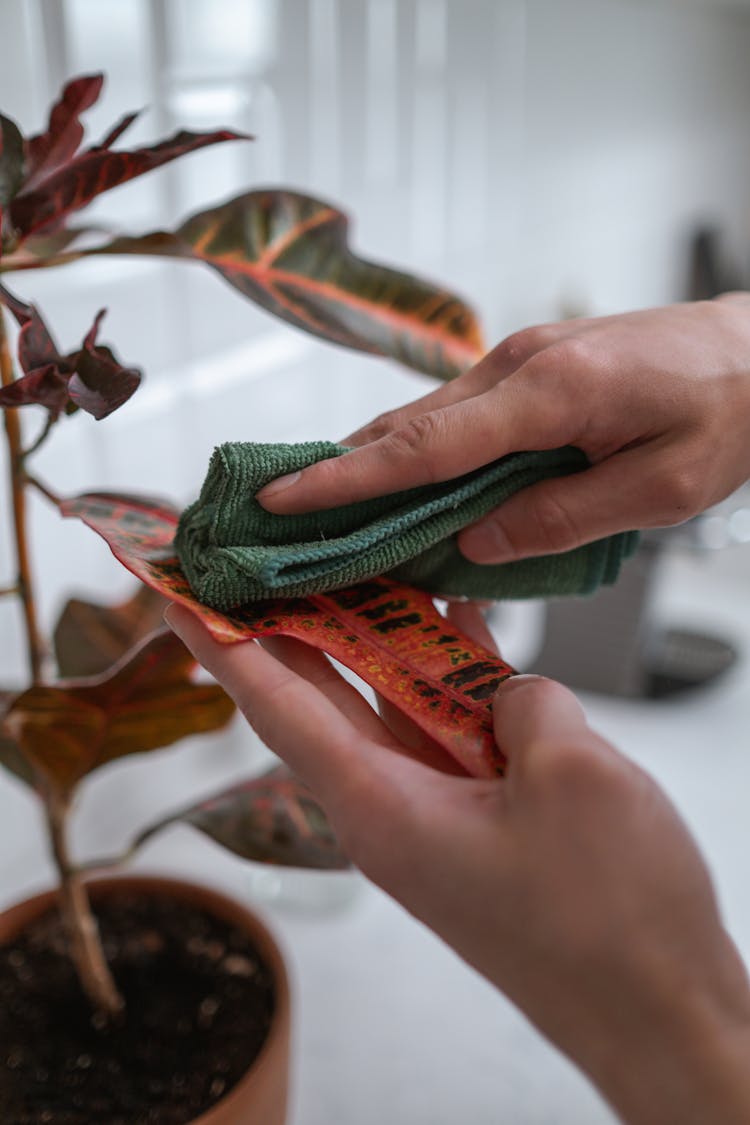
(544, 157)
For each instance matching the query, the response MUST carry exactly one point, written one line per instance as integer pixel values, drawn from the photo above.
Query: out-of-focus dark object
(612, 644)
(711, 271)
(609, 643)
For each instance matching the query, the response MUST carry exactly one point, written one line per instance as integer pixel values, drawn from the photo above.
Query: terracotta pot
(260, 1097)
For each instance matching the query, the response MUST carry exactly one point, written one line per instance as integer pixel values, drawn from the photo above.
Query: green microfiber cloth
(233, 551)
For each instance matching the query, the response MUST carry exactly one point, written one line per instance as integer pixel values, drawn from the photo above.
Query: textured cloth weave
(233, 551)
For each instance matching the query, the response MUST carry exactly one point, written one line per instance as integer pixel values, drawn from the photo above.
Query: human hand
(571, 884)
(659, 401)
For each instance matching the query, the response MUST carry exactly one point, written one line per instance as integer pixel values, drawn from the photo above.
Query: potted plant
(149, 1000)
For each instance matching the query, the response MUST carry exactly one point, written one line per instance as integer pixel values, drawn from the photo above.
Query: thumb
(566, 512)
(542, 729)
(529, 709)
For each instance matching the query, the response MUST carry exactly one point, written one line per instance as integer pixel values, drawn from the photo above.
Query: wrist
(690, 1063)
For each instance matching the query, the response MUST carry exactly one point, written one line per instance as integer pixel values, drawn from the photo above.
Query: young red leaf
(61, 140)
(389, 634)
(90, 638)
(99, 383)
(98, 170)
(148, 701)
(91, 378)
(289, 253)
(117, 130)
(272, 819)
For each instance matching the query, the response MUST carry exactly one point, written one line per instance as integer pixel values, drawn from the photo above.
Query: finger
(531, 708)
(498, 364)
(566, 512)
(432, 447)
(552, 751)
(458, 390)
(414, 741)
(293, 717)
(468, 617)
(316, 668)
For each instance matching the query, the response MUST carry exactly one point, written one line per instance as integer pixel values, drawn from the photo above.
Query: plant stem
(44, 489)
(34, 644)
(80, 924)
(43, 435)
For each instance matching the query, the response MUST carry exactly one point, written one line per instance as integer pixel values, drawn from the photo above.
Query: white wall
(539, 155)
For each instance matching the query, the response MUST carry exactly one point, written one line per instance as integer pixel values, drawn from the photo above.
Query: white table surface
(389, 1024)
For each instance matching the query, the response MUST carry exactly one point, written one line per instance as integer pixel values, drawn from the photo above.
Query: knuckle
(573, 354)
(579, 769)
(520, 346)
(416, 441)
(557, 530)
(384, 424)
(681, 492)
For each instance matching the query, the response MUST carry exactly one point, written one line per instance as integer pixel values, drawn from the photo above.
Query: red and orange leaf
(149, 700)
(391, 635)
(272, 819)
(290, 254)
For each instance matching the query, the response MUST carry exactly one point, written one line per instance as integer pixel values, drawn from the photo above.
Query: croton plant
(112, 681)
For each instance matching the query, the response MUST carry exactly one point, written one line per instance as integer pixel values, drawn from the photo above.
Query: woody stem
(35, 647)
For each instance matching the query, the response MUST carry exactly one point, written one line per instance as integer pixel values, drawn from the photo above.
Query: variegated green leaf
(290, 253)
(272, 819)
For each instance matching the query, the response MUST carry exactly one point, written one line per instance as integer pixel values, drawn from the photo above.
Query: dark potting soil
(199, 1003)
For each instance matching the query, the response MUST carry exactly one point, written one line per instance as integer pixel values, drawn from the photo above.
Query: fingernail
(488, 544)
(278, 485)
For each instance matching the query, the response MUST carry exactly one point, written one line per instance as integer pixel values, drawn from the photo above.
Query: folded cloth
(233, 551)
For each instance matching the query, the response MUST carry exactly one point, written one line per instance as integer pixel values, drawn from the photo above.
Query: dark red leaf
(91, 378)
(49, 151)
(11, 159)
(45, 386)
(99, 383)
(11, 177)
(116, 132)
(35, 344)
(389, 634)
(97, 170)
